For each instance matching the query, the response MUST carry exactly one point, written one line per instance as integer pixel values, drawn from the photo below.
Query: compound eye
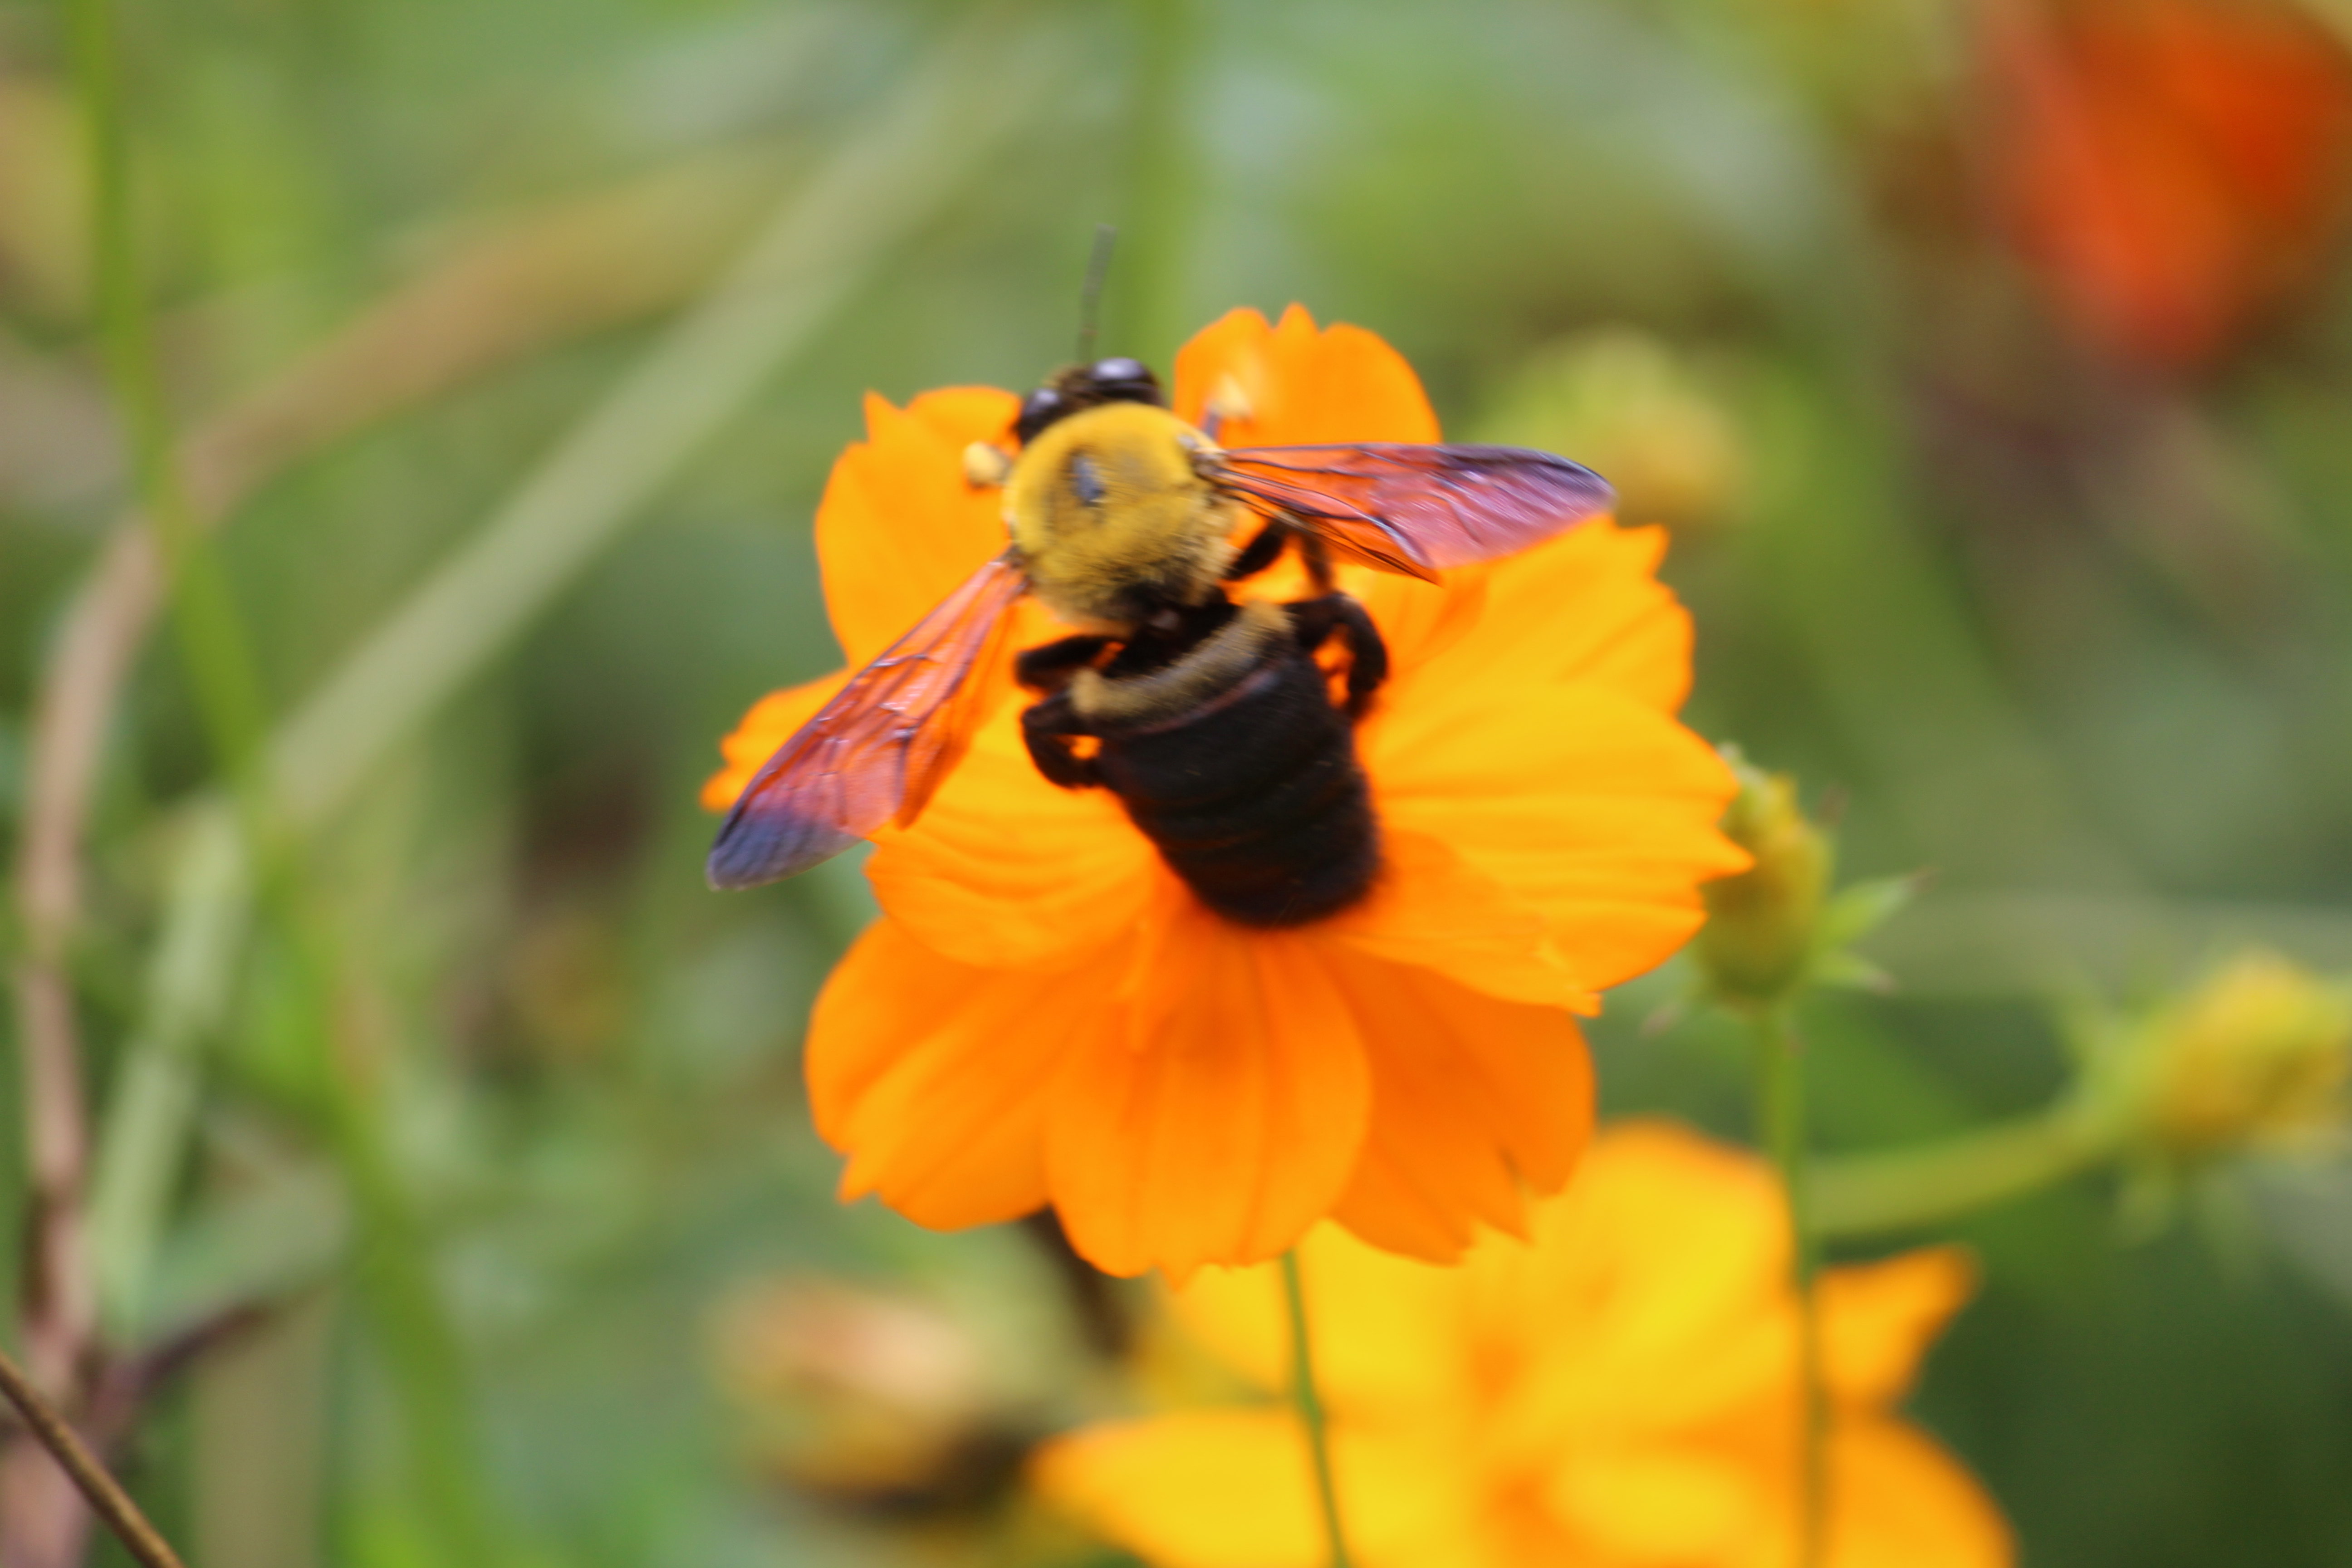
(1039, 409)
(1123, 380)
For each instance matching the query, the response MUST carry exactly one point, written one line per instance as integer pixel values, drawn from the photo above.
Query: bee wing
(1417, 509)
(879, 748)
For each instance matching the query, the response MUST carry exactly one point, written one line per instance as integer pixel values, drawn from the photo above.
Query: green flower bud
(1763, 926)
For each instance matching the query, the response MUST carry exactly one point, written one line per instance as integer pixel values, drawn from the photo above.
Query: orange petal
(770, 723)
(1235, 1489)
(1300, 384)
(1205, 1488)
(1433, 907)
(1417, 620)
(1878, 1319)
(1895, 1501)
(1388, 1331)
(934, 1076)
(1587, 605)
(898, 528)
(1663, 1248)
(1475, 1102)
(1006, 870)
(1898, 1500)
(1220, 1113)
(1661, 1504)
(1721, 1345)
(1588, 805)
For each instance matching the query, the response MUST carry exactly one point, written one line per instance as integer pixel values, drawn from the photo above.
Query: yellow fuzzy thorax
(1112, 517)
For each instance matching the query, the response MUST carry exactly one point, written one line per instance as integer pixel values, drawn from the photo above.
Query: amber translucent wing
(879, 748)
(1417, 509)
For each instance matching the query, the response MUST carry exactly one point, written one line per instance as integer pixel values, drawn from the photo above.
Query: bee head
(1111, 517)
(1115, 380)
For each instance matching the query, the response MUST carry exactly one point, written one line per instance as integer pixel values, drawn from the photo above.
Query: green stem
(393, 1263)
(204, 614)
(1859, 1194)
(1303, 1394)
(1780, 1114)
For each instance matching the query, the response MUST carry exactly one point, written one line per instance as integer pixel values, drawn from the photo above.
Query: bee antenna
(1090, 295)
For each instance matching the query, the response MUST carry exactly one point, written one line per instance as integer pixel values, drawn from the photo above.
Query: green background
(2069, 634)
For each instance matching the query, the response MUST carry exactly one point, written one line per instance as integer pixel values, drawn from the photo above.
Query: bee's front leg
(1315, 556)
(1051, 730)
(1049, 669)
(1260, 552)
(1367, 656)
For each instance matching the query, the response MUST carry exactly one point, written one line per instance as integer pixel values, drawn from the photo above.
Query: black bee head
(1115, 380)
(1039, 409)
(1123, 380)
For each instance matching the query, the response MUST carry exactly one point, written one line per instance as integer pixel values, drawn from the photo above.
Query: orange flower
(1046, 1016)
(1620, 1392)
(2172, 168)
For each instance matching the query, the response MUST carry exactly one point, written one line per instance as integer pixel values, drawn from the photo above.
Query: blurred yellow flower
(1618, 1392)
(2257, 1054)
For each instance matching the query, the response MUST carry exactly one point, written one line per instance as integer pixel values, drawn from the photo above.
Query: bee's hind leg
(1367, 656)
(1051, 730)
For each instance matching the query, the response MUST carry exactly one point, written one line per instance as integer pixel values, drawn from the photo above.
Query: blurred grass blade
(902, 164)
(187, 991)
(933, 132)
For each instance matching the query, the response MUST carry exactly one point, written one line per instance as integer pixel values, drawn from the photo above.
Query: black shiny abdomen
(1256, 798)
(1250, 791)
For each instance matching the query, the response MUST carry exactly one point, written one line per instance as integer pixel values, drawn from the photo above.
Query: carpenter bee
(1211, 720)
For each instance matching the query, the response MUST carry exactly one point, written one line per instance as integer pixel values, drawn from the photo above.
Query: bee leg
(1049, 728)
(1049, 669)
(1317, 556)
(1367, 656)
(1260, 552)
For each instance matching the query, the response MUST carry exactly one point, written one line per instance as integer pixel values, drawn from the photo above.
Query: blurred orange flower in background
(1620, 1392)
(2173, 169)
(1046, 1016)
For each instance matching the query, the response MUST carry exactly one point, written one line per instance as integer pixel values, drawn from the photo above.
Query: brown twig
(39, 1525)
(106, 1495)
(130, 1379)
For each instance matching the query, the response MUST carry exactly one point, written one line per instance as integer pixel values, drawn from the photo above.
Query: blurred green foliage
(2070, 634)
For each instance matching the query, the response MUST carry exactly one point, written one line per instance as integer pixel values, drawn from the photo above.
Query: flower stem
(1780, 1114)
(1858, 1195)
(1310, 1411)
